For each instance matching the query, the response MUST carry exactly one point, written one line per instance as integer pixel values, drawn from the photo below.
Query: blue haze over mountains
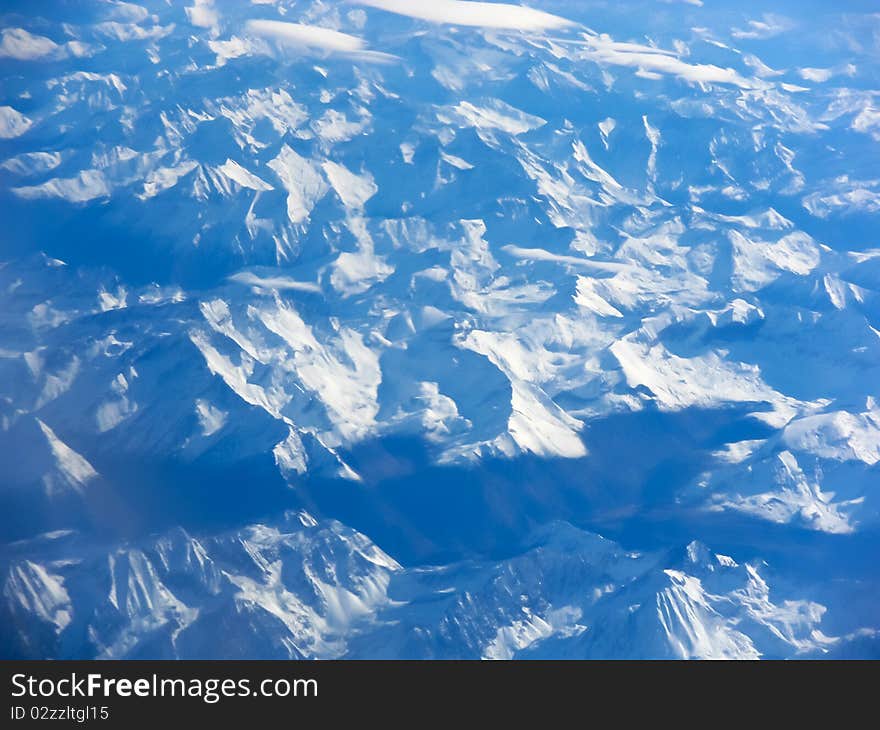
(439, 330)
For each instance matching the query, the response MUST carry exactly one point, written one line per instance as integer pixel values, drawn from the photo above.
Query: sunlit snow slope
(439, 329)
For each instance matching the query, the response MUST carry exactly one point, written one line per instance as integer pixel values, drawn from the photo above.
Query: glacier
(451, 329)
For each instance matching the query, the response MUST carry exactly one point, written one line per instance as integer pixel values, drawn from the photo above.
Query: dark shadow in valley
(632, 487)
(638, 464)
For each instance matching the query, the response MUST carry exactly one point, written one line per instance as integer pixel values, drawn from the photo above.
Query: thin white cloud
(759, 67)
(653, 61)
(312, 38)
(128, 12)
(540, 254)
(479, 14)
(769, 26)
(274, 282)
(821, 75)
(868, 122)
(817, 75)
(308, 36)
(203, 14)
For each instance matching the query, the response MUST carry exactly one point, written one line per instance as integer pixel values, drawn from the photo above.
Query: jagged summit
(471, 284)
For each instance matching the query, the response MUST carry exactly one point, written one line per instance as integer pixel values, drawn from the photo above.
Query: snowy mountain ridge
(440, 275)
(302, 589)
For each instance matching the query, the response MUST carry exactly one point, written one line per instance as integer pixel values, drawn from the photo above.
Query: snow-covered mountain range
(440, 329)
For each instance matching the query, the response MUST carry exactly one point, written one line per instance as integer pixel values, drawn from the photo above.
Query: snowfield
(435, 330)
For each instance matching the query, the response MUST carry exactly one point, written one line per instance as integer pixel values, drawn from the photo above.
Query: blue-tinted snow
(442, 329)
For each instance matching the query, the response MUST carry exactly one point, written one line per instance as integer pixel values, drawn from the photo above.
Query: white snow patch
(795, 498)
(586, 296)
(759, 263)
(407, 151)
(532, 629)
(71, 471)
(344, 377)
(606, 127)
(243, 177)
(32, 588)
(13, 123)
(165, 178)
(303, 181)
(840, 436)
(354, 190)
(493, 114)
(17, 43)
(290, 454)
(87, 185)
(334, 126)
(536, 423)
(32, 163)
(679, 382)
(653, 135)
(211, 418)
(456, 162)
